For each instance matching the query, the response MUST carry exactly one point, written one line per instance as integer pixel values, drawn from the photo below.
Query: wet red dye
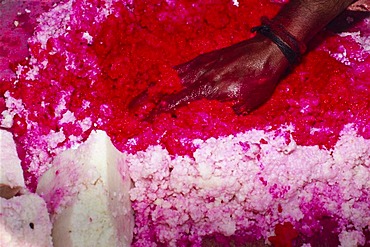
(284, 235)
(136, 50)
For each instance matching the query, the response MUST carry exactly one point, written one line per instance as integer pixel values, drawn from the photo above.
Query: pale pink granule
(351, 238)
(238, 183)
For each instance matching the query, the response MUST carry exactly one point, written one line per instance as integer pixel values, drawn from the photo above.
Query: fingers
(245, 107)
(138, 100)
(146, 109)
(191, 71)
(241, 108)
(252, 99)
(181, 98)
(196, 88)
(141, 105)
(188, 74)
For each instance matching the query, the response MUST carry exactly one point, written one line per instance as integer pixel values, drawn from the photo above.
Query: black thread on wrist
(292, 56)
(298, 46)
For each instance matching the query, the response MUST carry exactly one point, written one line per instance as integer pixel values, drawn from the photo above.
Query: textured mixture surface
(302, 158)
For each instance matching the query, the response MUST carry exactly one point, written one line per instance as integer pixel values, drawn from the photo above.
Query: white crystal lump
(86, 191)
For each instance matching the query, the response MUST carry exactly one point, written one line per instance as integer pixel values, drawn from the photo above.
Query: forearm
(304, 18)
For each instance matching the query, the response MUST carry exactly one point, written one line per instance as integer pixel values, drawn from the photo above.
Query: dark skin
(248, 72)
(238, 72)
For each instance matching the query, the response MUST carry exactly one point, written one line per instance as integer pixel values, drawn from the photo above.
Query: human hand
(246, 73)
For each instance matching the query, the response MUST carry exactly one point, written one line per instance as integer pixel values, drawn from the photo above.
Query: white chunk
(11, 174)
(87, 193)
(24, 222)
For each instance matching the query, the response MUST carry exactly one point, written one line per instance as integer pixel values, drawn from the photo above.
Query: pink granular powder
(241, 186)
(89, 59)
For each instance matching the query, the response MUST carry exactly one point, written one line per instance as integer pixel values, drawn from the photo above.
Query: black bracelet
(292, 56)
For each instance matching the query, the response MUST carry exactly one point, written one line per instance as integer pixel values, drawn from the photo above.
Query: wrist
(272, 52)
(304, 18)
(289, 45)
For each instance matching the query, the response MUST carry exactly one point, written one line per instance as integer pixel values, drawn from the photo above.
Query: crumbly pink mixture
(248, 183)
(88, 59)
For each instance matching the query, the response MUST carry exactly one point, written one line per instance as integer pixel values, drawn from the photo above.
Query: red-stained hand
(246, 72)
(249, 71)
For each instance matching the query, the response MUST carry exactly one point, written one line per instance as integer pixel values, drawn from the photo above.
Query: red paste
(137, 47)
